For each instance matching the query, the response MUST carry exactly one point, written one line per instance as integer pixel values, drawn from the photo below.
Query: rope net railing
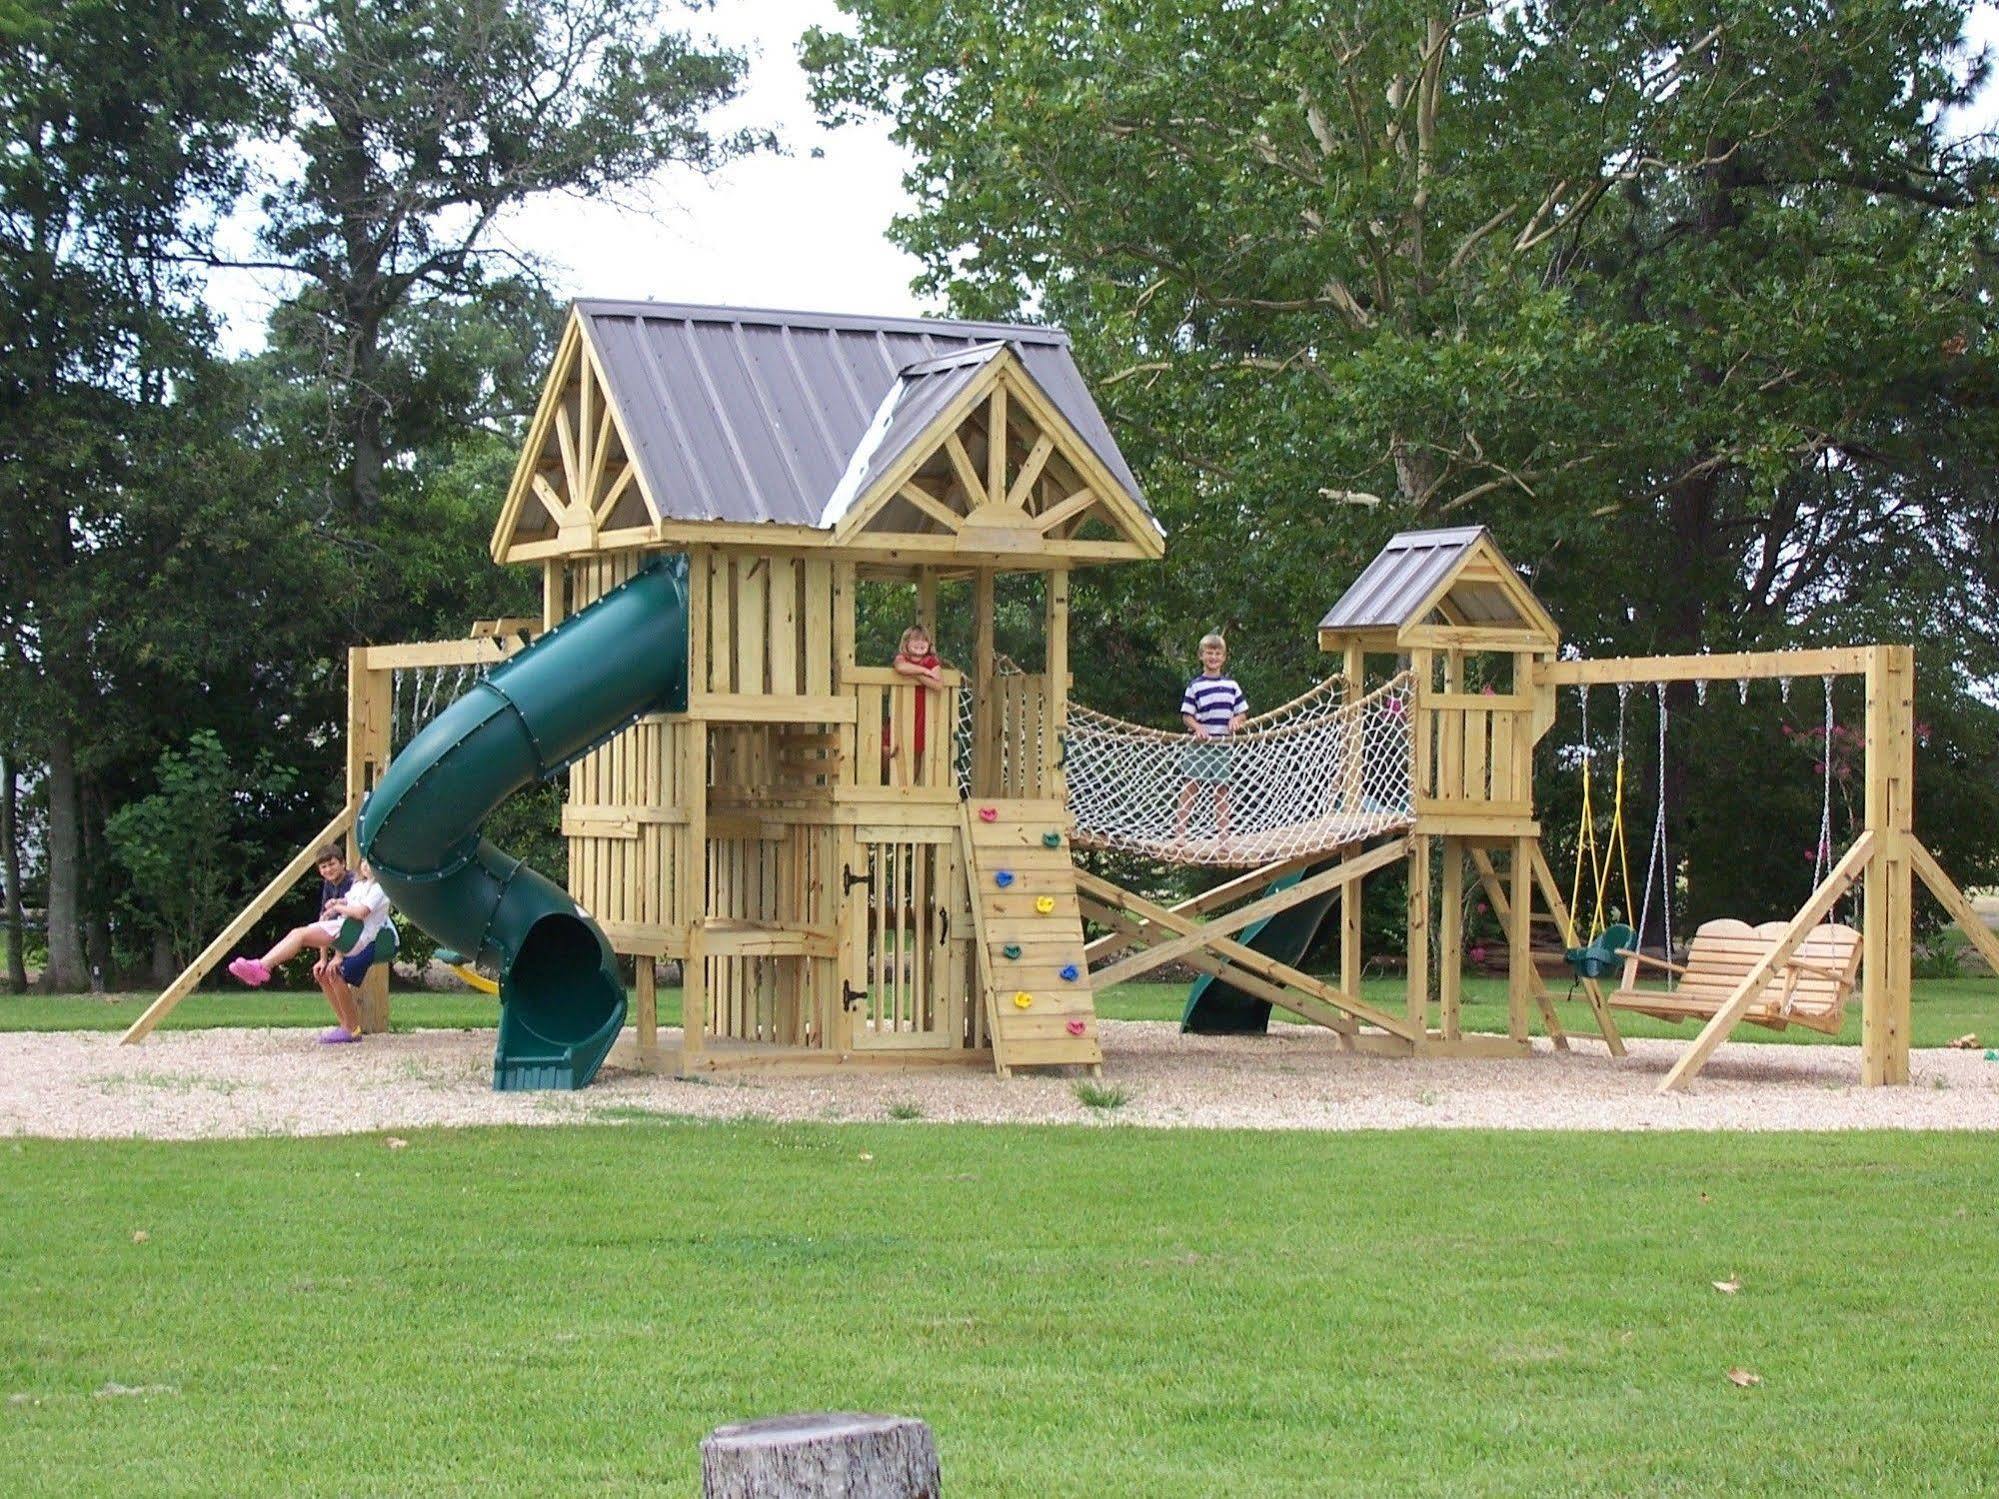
(1316, 774)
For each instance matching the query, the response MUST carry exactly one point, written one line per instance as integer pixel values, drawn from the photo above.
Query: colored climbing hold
(1070, 973)
(1003, 878)
(989, 814)
(1044, 904)
(1022, 1000)
(1051, 840)
(1011, 950)
(1076, 1027)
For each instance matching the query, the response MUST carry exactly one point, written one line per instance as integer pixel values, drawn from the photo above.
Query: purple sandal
(337, 1035)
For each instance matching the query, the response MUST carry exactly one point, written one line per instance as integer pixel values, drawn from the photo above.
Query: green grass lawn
(1944, 1008)
(1076, 1311)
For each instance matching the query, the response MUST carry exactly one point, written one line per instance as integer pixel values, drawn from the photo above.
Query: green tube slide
(562, 1002)
(1215, 1007)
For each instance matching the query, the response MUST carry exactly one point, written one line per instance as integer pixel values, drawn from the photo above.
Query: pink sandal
(250, 971)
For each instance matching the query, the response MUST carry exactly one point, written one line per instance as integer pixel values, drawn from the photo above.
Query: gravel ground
(234, 1083)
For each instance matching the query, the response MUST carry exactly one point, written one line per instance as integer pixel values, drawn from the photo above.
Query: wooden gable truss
(1040, 483)
(575, 487)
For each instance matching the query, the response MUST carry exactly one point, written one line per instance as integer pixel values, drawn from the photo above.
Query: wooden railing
(1474, 751)
(890, 751)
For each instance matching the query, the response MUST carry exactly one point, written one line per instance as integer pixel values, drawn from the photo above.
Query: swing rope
(1613, 854)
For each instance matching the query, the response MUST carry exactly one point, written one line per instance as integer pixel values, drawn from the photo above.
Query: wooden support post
(1451, 941)
(1055, 713)
(1887, 925)
(645, 980)
(694, 998)
(985, 728)
(370, 743)
(1502, 906)
(1417, 1003)
(1351, 901)
(926, 602)
(1519, 939)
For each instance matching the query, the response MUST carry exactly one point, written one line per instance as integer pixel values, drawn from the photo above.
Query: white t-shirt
(368, 893)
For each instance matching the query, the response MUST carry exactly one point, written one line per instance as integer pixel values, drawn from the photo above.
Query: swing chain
(1822, 856)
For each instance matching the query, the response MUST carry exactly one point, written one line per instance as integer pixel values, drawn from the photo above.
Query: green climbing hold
(1051, 840)
(1011, 950)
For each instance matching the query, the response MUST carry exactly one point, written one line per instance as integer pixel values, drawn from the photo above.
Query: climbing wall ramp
(1033, 979)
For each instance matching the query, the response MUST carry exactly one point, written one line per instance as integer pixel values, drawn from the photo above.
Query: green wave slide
(1215, 1007)
(562, 1002)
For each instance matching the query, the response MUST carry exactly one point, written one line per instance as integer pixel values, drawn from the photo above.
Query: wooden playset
(853, 868)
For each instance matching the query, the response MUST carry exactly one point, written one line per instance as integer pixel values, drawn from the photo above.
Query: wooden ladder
(1040, 1009)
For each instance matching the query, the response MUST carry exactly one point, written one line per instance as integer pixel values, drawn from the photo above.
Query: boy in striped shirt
(1213, 707)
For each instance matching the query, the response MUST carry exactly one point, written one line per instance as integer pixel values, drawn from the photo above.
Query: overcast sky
(794, 231)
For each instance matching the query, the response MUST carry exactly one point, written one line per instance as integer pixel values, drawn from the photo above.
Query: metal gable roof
(918, 395)
(740, 414)
(1402, 575)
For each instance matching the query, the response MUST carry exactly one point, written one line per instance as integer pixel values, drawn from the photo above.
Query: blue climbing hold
(1070, 973)
(1003, 878)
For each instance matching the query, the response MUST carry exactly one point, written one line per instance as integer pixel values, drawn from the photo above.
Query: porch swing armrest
(1819, 970)
(1650, 962)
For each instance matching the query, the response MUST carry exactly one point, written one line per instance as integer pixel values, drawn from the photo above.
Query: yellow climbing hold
(1022, 1000)
(1044, 904)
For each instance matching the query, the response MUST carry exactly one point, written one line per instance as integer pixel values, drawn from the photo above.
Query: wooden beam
(1857, 860)
(1068, 508)
(1208, 900)
(1976, 932)
(233, 933)
(1022, 489)
(1495, 894)
(1745, 666)
(1196, 935)
(1238, 955)
(996, 444)
(1131, 929)
(626, 477)
(1451, 941)
(931, 506)
(1552, 898)
(968, 476)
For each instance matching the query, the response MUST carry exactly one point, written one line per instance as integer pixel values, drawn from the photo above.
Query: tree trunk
(65, 973)
(833, 1456)
(164, 966)
(10, 871)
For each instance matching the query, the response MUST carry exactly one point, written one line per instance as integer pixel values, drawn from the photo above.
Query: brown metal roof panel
(1402, 575)
(662, 436)
(767, 420)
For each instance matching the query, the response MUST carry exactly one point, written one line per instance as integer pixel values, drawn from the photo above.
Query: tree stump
(831, 1455)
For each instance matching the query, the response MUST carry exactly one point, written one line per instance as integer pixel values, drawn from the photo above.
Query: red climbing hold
(989, 814)
(1076, 1027)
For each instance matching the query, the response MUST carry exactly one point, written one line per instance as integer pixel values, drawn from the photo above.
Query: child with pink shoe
(342, 897)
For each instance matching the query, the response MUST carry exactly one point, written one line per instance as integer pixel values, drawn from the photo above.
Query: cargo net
(1317, 774)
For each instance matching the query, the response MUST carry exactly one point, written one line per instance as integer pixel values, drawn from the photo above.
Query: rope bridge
(1317, 774)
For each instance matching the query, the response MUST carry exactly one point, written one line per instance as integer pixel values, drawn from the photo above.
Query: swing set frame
(1885, 859)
